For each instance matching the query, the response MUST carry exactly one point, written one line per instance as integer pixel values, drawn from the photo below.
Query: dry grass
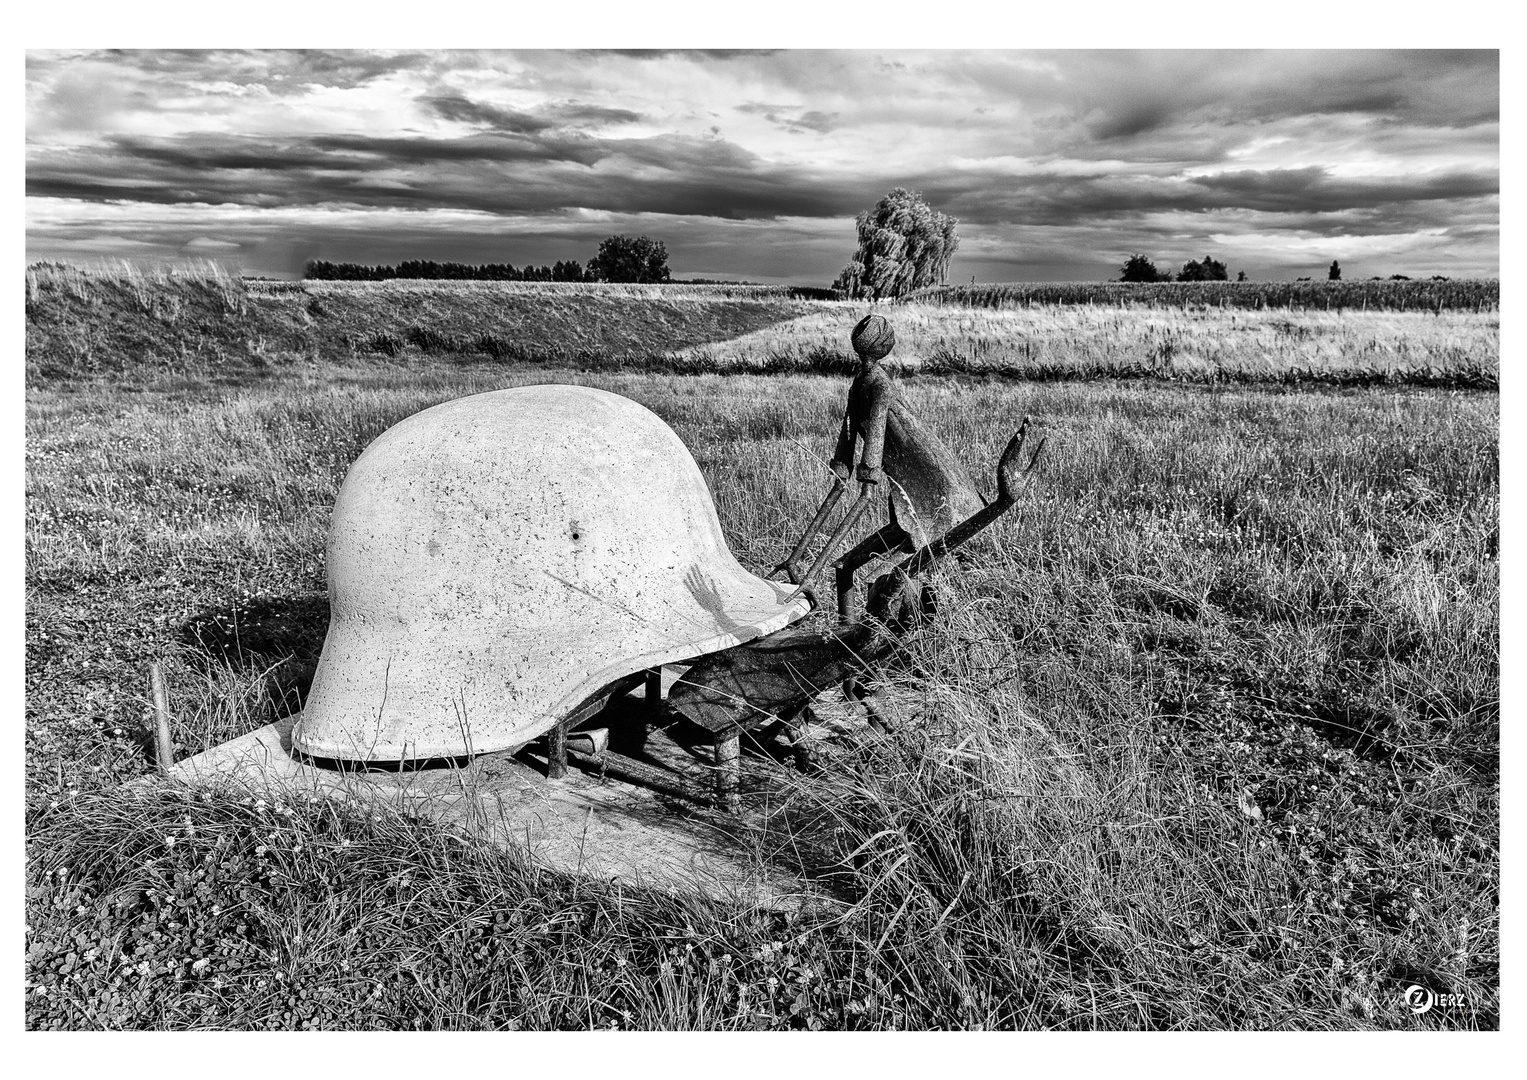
(1206, 735)
(1086, 342)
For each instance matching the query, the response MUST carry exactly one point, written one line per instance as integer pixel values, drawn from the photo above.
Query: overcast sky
(1058, 165)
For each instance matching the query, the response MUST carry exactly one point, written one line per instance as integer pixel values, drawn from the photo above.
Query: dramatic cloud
(752, 164)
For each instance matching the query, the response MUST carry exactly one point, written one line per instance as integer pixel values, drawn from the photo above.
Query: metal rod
(849, 521)
(848, 607)
(829, 502)
(556, 752)
(621, 767)
(164, 749)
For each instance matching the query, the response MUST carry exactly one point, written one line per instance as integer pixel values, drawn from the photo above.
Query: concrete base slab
(580, 824)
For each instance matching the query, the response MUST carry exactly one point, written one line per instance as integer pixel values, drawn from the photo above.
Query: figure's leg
(877, 717)
(892, 539)
(556, 751)
(795, 729)
(652, 691)
(854, 689)
(728, 768)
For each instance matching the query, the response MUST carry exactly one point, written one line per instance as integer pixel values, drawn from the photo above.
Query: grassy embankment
(1208, 734)
(83, 325)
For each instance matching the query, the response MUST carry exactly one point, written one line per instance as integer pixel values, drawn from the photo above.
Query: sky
(750, 165)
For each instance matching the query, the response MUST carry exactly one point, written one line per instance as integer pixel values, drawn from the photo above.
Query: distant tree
(1207, 270)
(904, 244)
(1334, 274)
(1240, 275)
(1439, 277)
(1301, 279)
(633, 259)
(571, 270)
(1140, 268)
(1399, 277)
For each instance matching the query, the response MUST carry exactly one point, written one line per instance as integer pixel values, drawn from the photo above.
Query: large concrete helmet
(496, 560)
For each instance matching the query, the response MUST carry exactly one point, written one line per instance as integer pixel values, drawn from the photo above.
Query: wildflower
(169, 841)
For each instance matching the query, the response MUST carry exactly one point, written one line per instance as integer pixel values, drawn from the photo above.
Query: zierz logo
(1421, 1000)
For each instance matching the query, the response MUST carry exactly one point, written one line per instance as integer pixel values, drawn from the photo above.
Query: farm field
(1435, 295)
(1206, 735)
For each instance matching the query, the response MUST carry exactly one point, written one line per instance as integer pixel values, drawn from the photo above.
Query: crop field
(1206, 735)
(1436, 296)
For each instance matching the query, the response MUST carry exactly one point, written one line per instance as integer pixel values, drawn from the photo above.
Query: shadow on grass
(281, 636)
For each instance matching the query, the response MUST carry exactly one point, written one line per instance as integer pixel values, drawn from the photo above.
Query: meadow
(1205, 736)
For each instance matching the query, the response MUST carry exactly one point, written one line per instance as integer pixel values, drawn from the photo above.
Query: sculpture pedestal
(581, 823)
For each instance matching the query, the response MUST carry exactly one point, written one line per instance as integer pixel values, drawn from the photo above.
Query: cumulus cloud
(1053, 161)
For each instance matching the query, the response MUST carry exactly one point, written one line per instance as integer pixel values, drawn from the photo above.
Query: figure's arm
(872, 429)
(843, 454)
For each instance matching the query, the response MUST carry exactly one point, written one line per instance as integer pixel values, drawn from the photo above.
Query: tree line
(322, 270)
(1140, 268)
(627, 259)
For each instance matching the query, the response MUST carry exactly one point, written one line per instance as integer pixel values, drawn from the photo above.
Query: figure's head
(873, 338)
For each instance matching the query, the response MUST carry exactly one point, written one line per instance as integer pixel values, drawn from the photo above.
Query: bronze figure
(926, 487)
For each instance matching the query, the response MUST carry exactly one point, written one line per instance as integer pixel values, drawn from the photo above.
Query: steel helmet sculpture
(496, 560)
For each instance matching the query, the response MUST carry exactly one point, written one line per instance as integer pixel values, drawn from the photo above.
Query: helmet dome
(496, 560)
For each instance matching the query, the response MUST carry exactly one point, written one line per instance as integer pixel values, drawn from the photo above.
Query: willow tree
(904, 244)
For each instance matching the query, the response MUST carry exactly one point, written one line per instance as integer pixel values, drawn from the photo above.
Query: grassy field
(148, 327)
(1206, 736)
